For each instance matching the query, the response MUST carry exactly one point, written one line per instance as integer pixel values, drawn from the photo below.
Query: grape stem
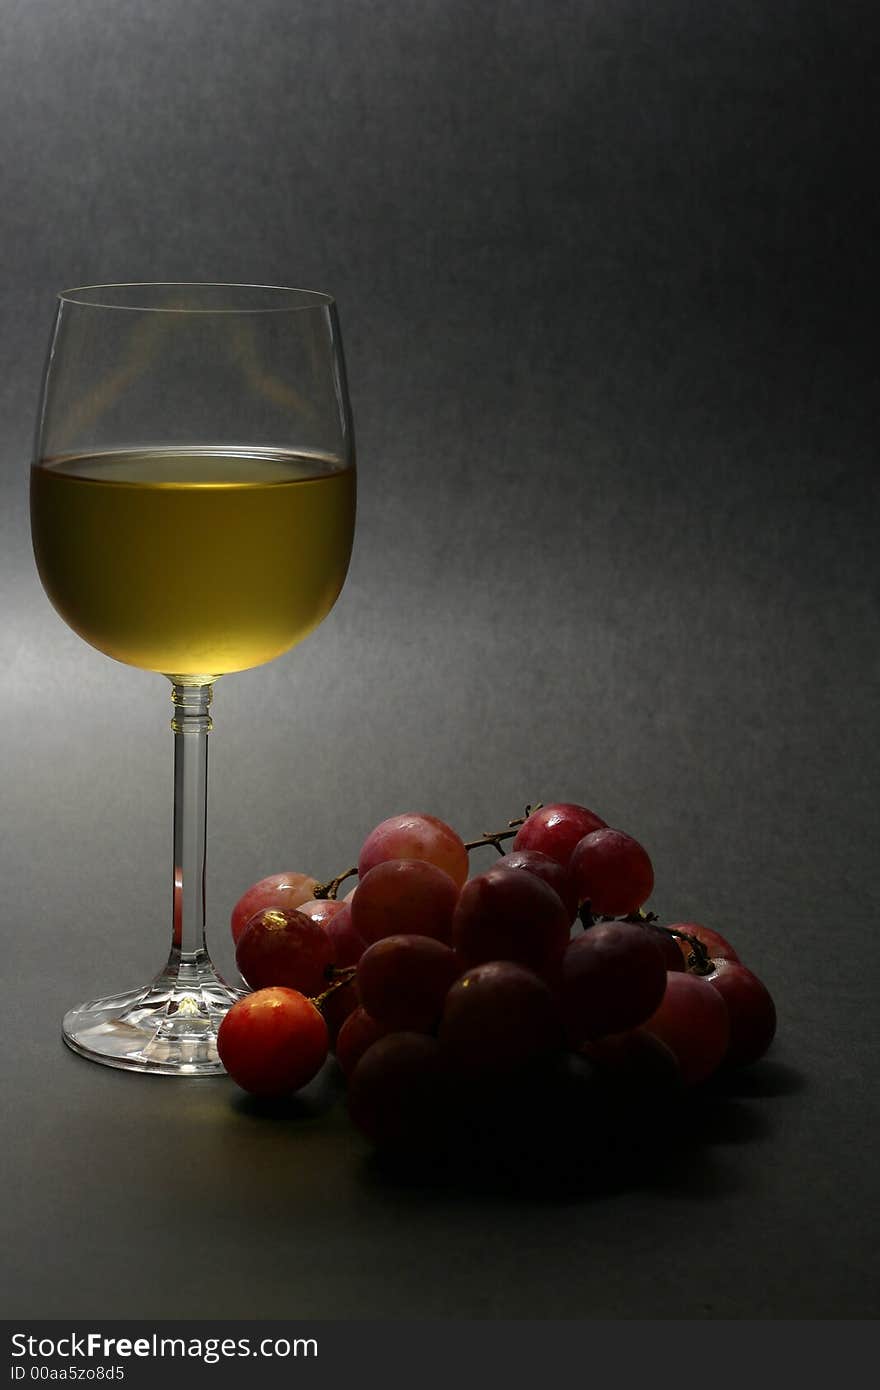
(339, 976)
(332, 886)
(495, 837)
(698, 962)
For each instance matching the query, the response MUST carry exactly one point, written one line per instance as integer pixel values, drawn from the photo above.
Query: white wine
(192, 561)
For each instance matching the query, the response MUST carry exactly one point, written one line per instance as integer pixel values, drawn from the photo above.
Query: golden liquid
(192, 561)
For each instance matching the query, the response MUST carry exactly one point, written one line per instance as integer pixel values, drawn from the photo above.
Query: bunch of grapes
(437, 990)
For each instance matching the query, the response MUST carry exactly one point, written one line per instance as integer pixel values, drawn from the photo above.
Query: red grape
(400, 897)
(348, 945)
(403, 981)
(635, 1061)
(550, 870)
(613, 978)
(337, 1008)
(629, 1116)
(505, 914)
(555, 830)
(497, 1016)
(672, 956)
(612, 872)
(415, 836)
(320, 909)
(691, 1023)
(716, 946)
(751, 1009)
(399, 1093)
(280, 946)
(278, 890)
(273, 1041)
(359, 1031)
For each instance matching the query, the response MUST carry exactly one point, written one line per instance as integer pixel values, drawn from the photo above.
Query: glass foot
(169, 1026)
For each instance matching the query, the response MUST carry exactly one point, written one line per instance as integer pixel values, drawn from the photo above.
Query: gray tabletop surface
(602, 278)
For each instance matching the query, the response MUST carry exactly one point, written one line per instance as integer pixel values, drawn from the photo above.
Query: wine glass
(192, 513)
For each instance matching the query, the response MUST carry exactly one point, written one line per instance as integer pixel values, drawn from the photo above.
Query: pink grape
(506, 914)
(694, 1022)
(401, 897)
(751, 1009)
(716, 945)
(281, 946)
(399, 1093)
(416, 836)
(403, 981)
(348, 944)
(359, 1031)
(550, 870)
(613, 978)
(320, 909)
(278, 890)
(555, 830)
(612, 872)
(498, 1016)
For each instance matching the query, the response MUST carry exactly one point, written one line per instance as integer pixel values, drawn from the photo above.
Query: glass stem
(191, 725)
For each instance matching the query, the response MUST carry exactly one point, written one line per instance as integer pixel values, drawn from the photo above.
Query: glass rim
(83, 297)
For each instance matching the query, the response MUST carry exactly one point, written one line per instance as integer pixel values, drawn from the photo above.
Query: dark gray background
(603, 271)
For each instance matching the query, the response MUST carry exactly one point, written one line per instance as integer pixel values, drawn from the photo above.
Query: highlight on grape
(432, 985)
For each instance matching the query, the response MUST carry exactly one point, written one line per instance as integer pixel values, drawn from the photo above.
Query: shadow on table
(557, 1137)
(768, 1078)
(569, 1144)
(309, 1105)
